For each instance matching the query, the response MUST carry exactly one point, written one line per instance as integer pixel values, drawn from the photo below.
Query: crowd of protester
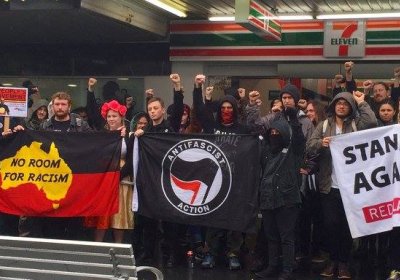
(303, 218)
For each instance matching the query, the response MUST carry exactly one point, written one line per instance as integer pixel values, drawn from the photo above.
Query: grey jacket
(363, 117)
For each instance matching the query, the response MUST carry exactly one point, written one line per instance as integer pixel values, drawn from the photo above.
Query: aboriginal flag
(208, 180)
(57, 174)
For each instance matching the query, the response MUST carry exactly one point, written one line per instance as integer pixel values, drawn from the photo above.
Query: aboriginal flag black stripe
(60, 174)
(206, 180)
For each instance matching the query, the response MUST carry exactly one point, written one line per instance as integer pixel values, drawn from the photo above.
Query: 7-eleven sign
(344, 39)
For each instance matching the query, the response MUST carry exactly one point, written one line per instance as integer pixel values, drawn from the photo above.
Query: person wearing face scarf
(225, 122)
(280, 192)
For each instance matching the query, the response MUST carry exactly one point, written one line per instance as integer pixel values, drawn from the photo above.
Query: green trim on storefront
(247, 39)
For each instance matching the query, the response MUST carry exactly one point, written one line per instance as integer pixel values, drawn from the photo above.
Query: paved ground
(361, 270)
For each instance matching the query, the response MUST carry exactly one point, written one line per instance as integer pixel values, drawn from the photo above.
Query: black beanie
(292, 90)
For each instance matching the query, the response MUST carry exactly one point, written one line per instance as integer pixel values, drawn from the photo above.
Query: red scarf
(227, 117)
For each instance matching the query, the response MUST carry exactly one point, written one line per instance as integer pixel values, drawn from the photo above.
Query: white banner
(367, 167)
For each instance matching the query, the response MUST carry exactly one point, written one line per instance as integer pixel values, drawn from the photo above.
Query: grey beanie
(292, 90)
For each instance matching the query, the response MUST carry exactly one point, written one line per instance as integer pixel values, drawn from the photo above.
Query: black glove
(291, 114)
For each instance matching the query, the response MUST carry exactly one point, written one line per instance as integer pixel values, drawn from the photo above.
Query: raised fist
(348, 66)
(302, 104)
(276, 108)
(253, 96)
(175, 78)
(199, 80)
(242, 92)
(149, 93)
(338, 79)
(209, 91)
(358, 96)
(91, 83)
(368, 84)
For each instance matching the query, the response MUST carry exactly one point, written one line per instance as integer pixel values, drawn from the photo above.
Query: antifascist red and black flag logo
(206, 180)
(58, 174)
(196, 177)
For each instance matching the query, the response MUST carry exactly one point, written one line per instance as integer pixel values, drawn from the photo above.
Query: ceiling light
(7, 84)
(354, 16)
(166, 7)
(123, 79)
(72, 85)
(222, 18)
(295, 17)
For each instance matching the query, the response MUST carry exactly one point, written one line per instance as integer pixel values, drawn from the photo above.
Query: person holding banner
(226, 122)
(172, 231)
(346, 113)
(114, 114)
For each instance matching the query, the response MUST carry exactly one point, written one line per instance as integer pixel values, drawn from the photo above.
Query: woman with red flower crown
(114, 113)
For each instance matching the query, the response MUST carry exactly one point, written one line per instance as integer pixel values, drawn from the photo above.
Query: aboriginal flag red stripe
(54, 174)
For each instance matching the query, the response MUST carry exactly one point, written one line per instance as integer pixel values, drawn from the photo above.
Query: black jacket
(281, 179)
(213, 125)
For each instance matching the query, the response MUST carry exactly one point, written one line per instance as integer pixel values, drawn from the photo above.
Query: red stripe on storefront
(382, 51)
(383, 24)
(311, 25)
(247, 52)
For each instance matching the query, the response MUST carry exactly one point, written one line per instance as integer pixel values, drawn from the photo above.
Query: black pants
(337, 231)
(8, 224)
(56, 228)
(310, 224)
(215, 238)
(394, 249)
(279, 226)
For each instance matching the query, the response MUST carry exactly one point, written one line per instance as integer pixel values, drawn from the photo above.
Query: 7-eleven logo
(344, 39)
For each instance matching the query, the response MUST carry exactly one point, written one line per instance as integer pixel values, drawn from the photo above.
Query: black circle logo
(196, 177)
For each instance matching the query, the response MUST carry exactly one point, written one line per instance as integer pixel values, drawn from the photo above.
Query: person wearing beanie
(290, 96)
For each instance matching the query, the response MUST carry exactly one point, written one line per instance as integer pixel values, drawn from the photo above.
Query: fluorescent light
(7, 84)
(295, 17)
(123, 79)
(353, 16)
(222, 18)
(72, 85)
(283, 18)
(166, 7)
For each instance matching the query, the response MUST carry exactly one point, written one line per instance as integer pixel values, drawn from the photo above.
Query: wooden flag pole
(6, 124)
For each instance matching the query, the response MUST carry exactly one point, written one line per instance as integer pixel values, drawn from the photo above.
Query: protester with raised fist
(225, 122)
(344, 83)
(346, 113)
(172, 231)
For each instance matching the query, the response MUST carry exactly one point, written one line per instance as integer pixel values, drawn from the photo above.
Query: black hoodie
(215, 126)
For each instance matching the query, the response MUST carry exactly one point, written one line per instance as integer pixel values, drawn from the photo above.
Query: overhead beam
(128, 13)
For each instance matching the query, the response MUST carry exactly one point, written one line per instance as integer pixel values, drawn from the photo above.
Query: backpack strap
(324, 127)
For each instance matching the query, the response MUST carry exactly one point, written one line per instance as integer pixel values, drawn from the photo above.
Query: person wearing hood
(290, 97)
(37, 114)
(225, 122)
(280, 192)
(346, 113)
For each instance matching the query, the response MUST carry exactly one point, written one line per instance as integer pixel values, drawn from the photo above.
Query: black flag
(209, 180)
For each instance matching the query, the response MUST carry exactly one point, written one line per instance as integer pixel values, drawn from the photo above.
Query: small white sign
(13, 102)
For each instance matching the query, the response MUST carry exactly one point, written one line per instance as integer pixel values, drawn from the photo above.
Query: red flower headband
(113, 105)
